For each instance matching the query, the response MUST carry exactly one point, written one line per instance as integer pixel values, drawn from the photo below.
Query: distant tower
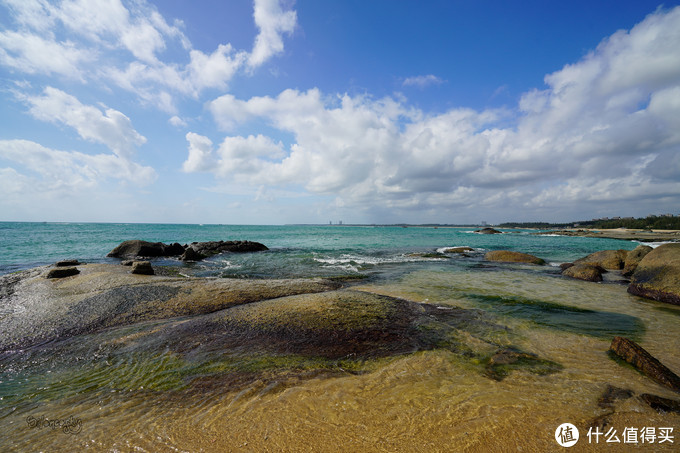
(339, 222)
(330, 222)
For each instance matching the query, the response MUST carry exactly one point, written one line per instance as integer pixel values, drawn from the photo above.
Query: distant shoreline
(620, 233)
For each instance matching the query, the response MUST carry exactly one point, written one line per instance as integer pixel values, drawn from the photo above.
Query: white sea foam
(444, 249)
(654, 244)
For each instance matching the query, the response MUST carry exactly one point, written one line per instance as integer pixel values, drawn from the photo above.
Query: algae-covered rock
(507, 359)
(634, 257)
(657, 276)
(106, 295)
(607, 259)
(637, 356)
(589, 273)
(508, 256)
(331, 325)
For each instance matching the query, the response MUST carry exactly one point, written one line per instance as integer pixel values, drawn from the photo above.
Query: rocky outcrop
(633, 258)
(607, 259)
(587, 272)
(61, 272)
(488, 231)
(106, 295)
(67, 263)
(642, 360)
(657, 276)
(142, 267)
(198, 250)
(508, 256)
(144, 249)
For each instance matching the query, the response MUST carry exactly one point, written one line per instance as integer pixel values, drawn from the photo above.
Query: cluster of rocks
(196, 251)
(653, 273)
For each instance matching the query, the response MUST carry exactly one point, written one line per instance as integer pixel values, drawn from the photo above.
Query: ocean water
(117, 391)
(295, 250)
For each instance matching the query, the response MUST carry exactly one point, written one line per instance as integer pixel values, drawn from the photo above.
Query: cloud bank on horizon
(100, 88)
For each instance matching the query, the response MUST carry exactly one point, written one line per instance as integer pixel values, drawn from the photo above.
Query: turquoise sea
(295, 250)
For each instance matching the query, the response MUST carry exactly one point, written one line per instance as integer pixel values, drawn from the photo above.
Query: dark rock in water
(607, 259)
(139, 249)
(585, 272)
(190, 254)
(127, 262)
(488, 231)
(634, 354)
(142, 267)
(612, 394)
(65, 263)
(565, 266)
(661, 404)
(61, 272)
(657, 276)
(508, 359)
(200, 250)
(508, 256)
(633, 259)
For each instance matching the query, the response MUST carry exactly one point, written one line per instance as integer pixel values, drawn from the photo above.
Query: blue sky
(270, 112)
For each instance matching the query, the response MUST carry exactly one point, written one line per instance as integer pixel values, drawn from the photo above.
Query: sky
(309, 111)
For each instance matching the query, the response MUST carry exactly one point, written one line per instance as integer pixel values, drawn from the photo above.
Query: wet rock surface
(657, 275)
(508, 256)
(643, 361)
(507, 359)
(606, 259)
(199, 250)
(105, 295)
(633, 259)
(143, 249)
(587, 272)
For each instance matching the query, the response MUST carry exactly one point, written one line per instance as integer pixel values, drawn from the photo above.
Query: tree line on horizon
(652, 222)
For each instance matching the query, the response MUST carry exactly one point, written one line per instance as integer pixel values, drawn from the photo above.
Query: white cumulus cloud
(604, 129)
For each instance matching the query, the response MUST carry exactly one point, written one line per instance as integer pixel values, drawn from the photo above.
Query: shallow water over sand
(437, 400)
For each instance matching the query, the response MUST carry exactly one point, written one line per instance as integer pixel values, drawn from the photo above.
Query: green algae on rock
(509, 256)
(657, 275)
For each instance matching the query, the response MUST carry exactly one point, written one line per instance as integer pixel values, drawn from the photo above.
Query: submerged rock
(661, 404)
(612, 394)
(587, 272)
(637, 356)
(61, 272)
(634, 257)
(507, 359)
(657, 276)
(508, 256)
(607, 259)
